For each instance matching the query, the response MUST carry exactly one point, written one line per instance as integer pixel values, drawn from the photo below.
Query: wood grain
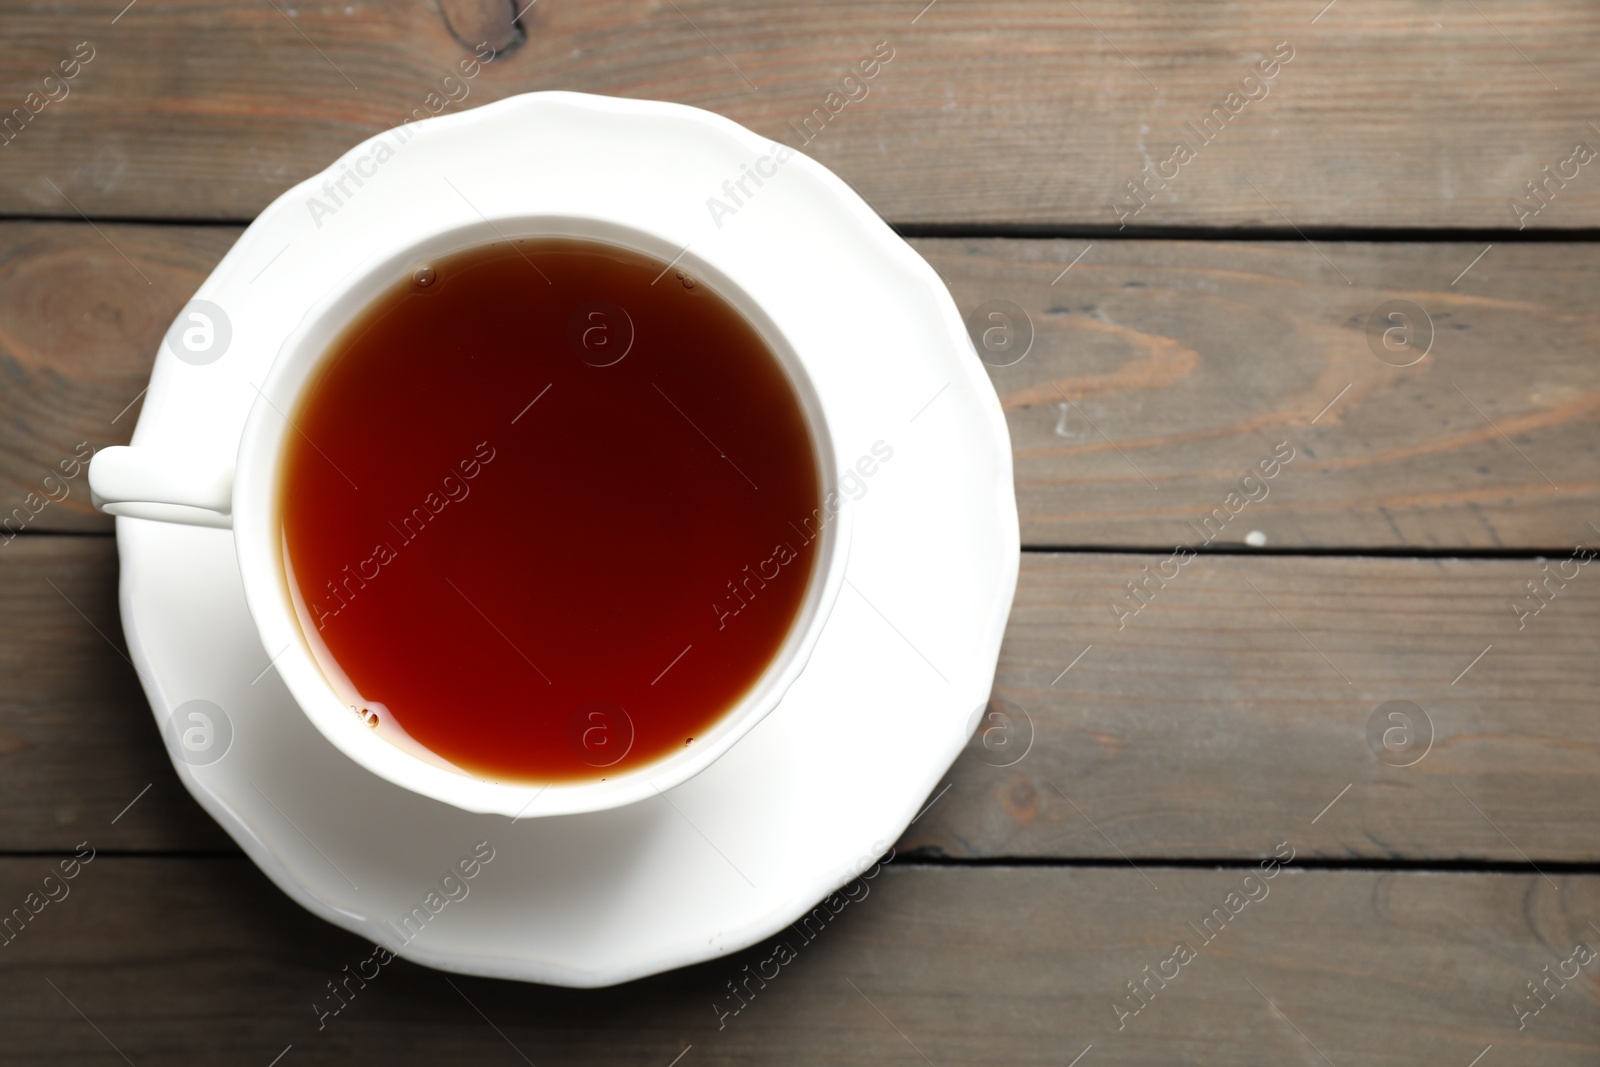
(82, 314)
(1161, 372)
(1208, 726)
(77, 741)
(1392, 113)
(203, 961)
(1234, 706)
(487, 23)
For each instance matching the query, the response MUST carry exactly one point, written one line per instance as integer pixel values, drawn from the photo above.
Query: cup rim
(270, 591)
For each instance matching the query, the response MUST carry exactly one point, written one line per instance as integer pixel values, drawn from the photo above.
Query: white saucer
(799, 806)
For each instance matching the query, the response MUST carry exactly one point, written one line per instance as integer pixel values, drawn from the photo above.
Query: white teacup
(241, 492)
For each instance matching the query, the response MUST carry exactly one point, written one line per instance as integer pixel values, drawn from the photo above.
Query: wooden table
(1232, 306)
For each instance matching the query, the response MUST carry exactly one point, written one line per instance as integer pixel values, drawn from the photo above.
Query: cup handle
(143, 483)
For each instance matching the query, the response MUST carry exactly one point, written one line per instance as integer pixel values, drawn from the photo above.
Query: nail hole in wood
(492, 22)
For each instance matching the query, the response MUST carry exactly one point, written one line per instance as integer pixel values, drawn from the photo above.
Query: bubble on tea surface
(199, 732)
(600, 733)
(424, 276)
(200, 334)
(1399, 733)
(600, 333)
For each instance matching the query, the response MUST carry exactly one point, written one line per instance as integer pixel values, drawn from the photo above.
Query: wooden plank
(1206, 724)
(1393, 113)
(1163, 372)
(1243, 695)
(77, 742)
(82, 314)
(1177, 365)
(190, 961)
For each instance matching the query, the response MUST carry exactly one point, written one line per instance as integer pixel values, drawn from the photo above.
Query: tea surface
(551, 507)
